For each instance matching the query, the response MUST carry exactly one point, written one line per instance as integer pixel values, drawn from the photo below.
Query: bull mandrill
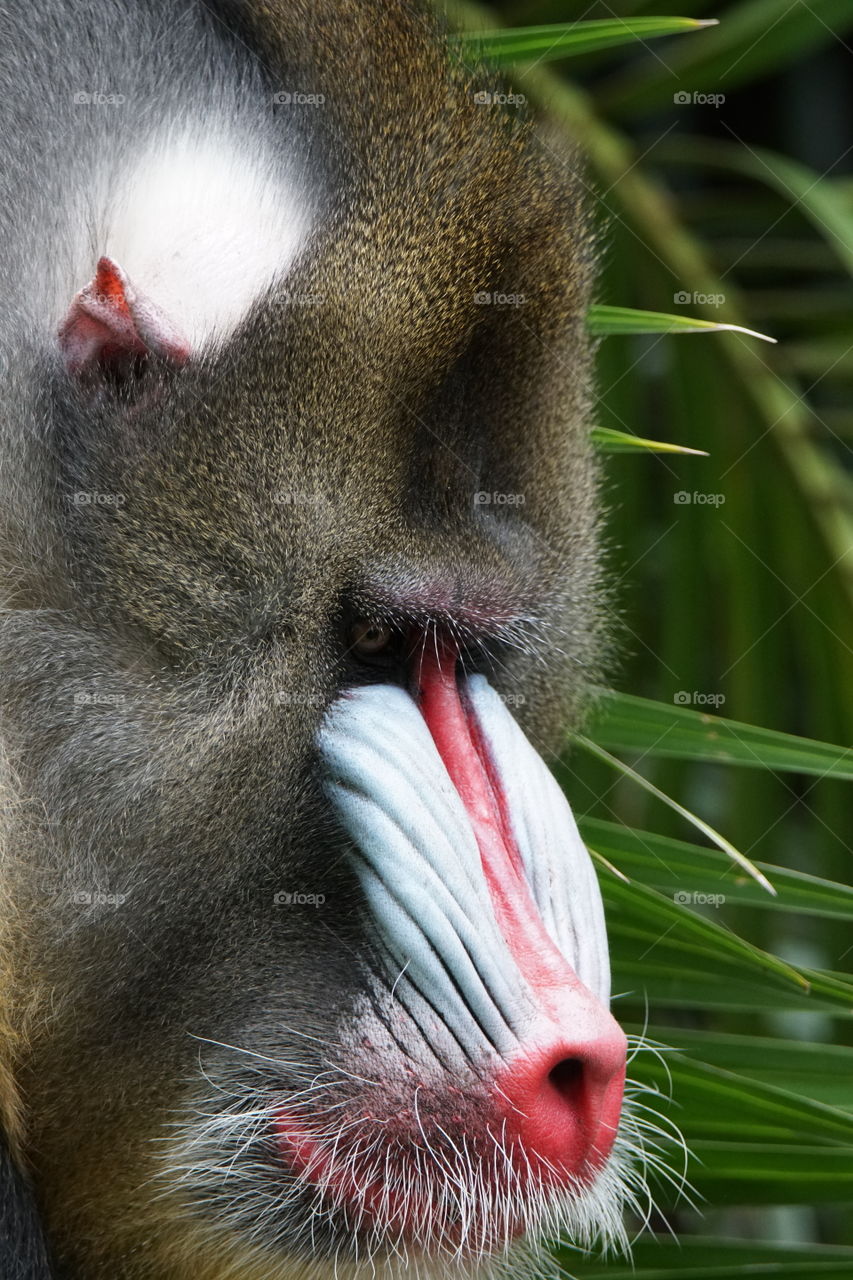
(304, 965)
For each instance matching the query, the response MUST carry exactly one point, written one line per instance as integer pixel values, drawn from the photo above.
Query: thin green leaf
(602, 320)
(694, 819)
(668, 983)
(559, 40)
(774, 1173)
(611, 441)
(754, 1110)
(703, 876)
(819, 1071)
(651, 917)
(624, 722)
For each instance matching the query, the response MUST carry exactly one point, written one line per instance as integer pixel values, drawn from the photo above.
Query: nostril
(564, 1098)
(567, 1078)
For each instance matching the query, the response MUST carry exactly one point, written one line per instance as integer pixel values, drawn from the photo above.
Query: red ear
(109, 321)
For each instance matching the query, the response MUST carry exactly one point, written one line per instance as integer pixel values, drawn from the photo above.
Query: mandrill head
(304, 961)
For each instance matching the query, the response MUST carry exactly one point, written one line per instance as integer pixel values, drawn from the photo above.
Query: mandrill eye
(369, 638)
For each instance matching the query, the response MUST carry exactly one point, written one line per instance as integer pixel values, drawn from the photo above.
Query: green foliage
(709, 793)
(627, 723)
(550, 42)
(609, 320)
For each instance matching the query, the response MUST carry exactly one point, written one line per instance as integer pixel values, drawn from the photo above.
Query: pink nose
(562, 1100)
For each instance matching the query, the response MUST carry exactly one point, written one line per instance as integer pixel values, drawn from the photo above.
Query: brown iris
(369, 638)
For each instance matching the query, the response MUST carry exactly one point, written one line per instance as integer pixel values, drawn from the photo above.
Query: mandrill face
(304, 961)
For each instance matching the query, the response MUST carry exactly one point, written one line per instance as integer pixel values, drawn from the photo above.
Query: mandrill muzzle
(504, 1068)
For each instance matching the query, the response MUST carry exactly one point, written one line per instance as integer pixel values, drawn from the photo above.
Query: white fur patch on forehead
(203, 224)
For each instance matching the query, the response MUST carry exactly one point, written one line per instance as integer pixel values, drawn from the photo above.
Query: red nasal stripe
(460, 744)
(466, 757)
